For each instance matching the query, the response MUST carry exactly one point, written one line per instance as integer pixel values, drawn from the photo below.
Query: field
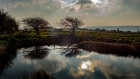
(112, 37)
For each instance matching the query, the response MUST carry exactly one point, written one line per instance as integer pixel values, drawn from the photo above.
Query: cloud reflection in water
(86, 65)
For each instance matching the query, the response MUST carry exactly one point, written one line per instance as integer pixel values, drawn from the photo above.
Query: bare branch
(36, 23)
(71, 23)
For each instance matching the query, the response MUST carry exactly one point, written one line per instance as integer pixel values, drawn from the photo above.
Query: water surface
(65, 64)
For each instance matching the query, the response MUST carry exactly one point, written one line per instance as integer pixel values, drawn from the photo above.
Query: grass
(87, 33)
(47, 37)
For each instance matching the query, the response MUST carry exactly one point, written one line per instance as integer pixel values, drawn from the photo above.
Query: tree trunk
(37, 31)
(73, 32)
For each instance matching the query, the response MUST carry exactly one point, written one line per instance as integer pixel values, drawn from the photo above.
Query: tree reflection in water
(6, 60)
(71, 51)
(37, 52)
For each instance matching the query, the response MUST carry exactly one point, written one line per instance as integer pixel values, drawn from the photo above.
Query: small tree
(71, 23)
(36, 23)
(7, 23)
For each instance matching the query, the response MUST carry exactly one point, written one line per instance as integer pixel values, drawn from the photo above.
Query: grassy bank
(47, 37)
(2, 49)
(61, 35)
(39, 41)
(111, 48)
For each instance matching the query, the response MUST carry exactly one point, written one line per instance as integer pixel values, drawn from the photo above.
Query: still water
(69, 64)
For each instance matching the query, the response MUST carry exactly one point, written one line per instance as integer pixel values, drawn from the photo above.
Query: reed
(110, 48)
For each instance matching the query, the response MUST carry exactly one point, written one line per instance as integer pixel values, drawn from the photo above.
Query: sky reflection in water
(83, 65)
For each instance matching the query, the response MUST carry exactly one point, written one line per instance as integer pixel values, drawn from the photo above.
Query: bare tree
(36, 23)
(72, 23)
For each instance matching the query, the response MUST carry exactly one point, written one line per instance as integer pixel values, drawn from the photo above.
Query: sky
(92, 12)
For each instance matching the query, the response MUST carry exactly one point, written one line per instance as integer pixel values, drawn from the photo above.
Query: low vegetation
(2, 49)
(8, 24)
(41, 34)
(110, 48)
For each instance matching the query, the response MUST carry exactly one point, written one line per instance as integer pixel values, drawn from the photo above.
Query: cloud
(137, 63)
(91, 66)
(77, 4)
(98, 7)
(85, 56)
(131, 4)
(76, 72)
(108, 70)
(112, 57)
(18, 4)
(82, 2)
(121, 12)
(22, 9)
(50, 64)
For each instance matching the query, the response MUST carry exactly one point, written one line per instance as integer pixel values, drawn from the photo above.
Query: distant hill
(123, 28)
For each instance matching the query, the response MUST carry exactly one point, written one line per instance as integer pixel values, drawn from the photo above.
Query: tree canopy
(36, 23)
(7, 23)
(72, 23)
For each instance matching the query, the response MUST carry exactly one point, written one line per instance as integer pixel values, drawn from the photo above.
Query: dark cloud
(82, 2)
(70, 1)
(131, 4)
(12, 1)
(119, 10)
(71, 9)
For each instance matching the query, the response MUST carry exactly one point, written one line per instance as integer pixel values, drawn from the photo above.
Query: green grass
(29, 37)
(103, 41)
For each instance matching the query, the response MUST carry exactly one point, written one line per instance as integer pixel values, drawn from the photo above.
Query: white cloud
(90, 66)
(106, 68)
(54, 10)
(50, 63)
(85, 56)
(100, 7)
(18, 4)
(137, 63)
(114, 58)
(39, 2)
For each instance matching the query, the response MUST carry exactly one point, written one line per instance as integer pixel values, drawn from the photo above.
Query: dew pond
(66, 63)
